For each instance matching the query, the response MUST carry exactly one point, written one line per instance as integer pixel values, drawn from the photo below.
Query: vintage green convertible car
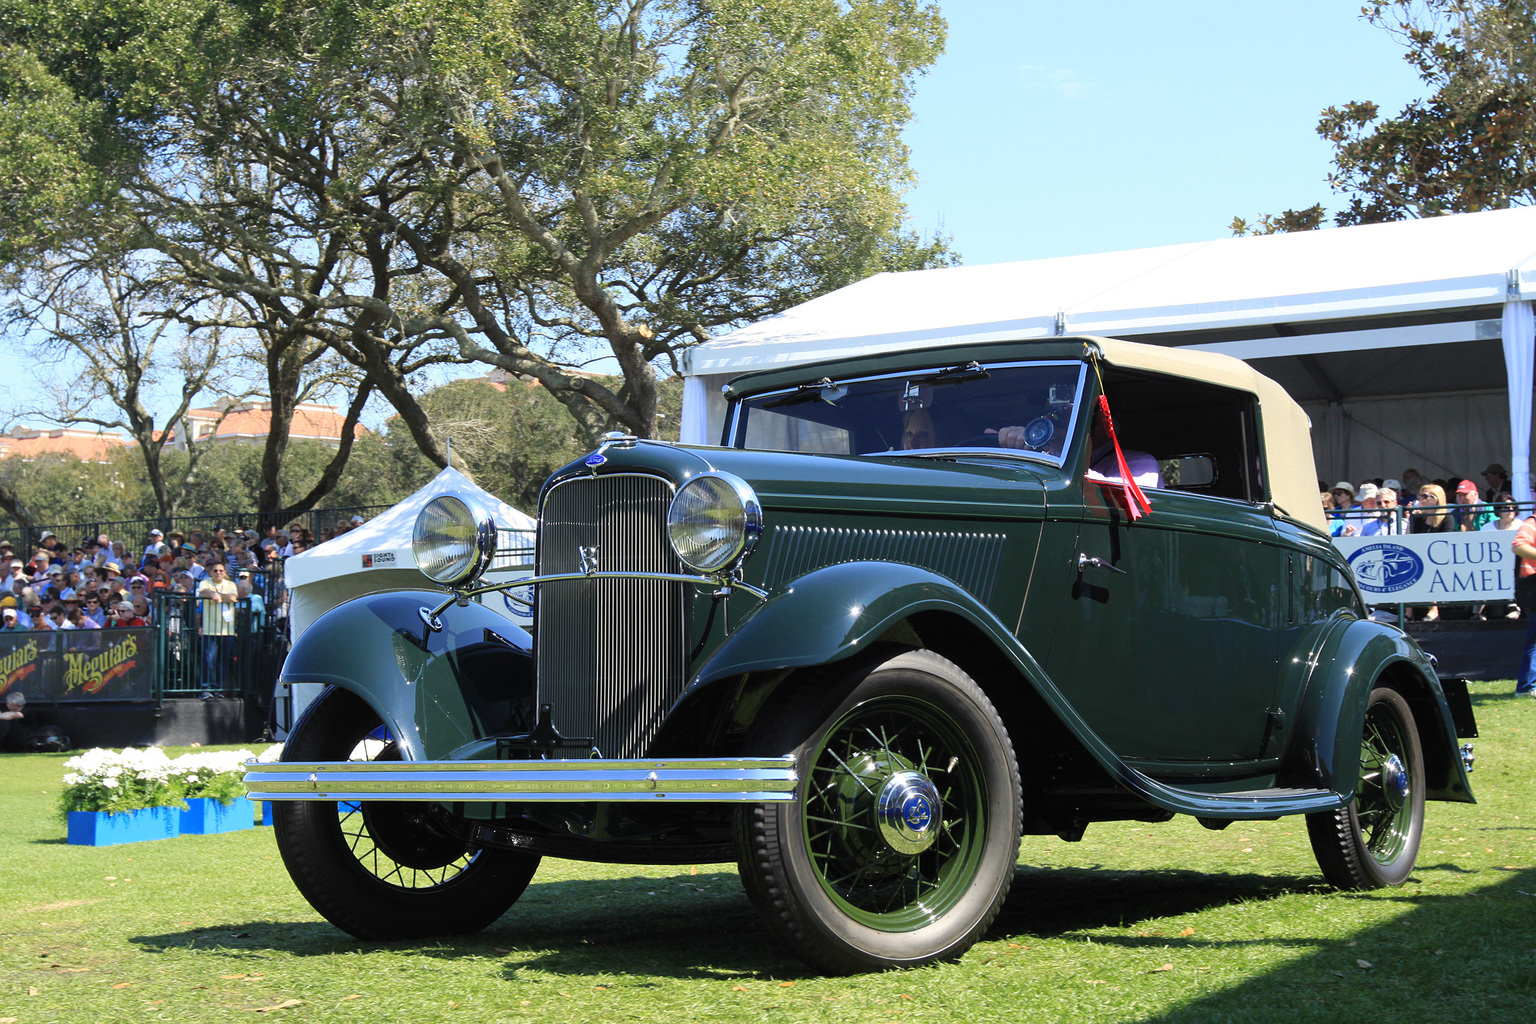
(908, 612)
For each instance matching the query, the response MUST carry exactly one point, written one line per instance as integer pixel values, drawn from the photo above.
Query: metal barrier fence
(1400, 518)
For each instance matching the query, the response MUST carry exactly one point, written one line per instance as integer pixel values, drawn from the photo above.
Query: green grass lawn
(1135, 923)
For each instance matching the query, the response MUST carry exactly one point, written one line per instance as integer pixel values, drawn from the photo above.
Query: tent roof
(389, 534)
(1372, 271)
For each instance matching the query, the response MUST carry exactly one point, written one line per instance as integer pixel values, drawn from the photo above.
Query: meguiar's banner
(79, 664)
(1433, 568)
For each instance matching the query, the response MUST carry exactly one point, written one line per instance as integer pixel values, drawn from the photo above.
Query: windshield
(1032, 407)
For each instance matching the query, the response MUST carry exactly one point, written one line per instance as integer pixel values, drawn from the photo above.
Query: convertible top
(1285, 430)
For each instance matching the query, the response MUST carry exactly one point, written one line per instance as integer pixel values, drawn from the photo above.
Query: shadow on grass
(1437, 960)
(691, 926)
(1053, 901)
(702, 926)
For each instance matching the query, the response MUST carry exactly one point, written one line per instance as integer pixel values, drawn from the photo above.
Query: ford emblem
(917, 814)
(595, 459)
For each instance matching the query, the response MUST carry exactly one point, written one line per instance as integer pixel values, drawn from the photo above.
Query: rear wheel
(1373, 842)
(900, 846)
(379, 870)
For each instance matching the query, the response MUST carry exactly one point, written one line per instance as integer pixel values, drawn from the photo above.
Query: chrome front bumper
(715, 780)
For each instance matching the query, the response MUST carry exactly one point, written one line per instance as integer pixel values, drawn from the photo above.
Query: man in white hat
(156, 546)
(1365, 508)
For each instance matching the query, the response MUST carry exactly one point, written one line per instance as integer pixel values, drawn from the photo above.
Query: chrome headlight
(454, 539)
(714, 520)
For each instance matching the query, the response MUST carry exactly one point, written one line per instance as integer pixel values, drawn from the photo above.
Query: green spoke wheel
(1373, 842)
(901, 846)
(378, 869)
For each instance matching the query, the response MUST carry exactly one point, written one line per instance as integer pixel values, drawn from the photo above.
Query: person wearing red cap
(1471, 513)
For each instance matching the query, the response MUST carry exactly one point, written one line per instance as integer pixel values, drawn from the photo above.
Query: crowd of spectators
(104, 583)
(1417, 504)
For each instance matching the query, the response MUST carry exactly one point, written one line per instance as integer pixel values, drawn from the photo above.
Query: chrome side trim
(692, 780)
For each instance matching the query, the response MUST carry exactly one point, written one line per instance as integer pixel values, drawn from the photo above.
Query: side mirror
(1188, 471)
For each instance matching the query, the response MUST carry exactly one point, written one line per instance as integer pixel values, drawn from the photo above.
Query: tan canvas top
(1285, 430)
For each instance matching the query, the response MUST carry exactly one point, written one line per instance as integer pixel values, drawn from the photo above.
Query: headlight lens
(454, 539)
(715, 519)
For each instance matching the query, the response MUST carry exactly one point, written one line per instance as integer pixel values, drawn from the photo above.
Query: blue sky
(1055, 129)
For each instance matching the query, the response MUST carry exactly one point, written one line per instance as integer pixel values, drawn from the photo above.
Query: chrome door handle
(1089, 562)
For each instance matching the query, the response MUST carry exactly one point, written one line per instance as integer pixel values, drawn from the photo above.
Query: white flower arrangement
(103, 780)
(133, 779)
(217, 774)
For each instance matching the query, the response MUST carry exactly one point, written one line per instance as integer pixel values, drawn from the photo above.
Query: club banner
(1433, 568)
(79, 665)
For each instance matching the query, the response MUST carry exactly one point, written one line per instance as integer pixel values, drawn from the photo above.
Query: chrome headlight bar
(725, 586)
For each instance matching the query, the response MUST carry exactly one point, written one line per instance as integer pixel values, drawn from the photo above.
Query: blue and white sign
(1430, 568)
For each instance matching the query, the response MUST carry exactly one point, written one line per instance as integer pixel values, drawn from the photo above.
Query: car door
(1166, 642)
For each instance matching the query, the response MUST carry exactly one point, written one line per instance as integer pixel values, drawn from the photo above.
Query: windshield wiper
(825, 389)
(955, 374)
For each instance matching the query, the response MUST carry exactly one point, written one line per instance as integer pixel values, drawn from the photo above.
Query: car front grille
(609, 653)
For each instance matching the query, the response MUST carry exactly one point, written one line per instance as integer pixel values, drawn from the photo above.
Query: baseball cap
(357, 519)
(55, 570)
(9, 613)
(1367, 490)
(156, 533)
(1466, 487)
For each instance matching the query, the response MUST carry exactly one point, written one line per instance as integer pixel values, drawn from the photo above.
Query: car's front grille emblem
(588, 558)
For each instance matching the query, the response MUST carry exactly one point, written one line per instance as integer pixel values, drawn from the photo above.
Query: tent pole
(1519, 329)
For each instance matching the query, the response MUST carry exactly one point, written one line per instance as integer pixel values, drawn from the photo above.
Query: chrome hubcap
(907, 812)
(1394, 782)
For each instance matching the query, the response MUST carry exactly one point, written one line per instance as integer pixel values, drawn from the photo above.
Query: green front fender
(435, 691)
(836, 612)
(1357, 657)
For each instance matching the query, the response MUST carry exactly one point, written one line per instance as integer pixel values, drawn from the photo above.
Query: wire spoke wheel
(385, 869)
(901, 845)
(907, 747)
(1373, 842)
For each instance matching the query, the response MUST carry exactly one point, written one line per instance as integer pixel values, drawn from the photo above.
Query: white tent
(1351, 321)
(377, 555)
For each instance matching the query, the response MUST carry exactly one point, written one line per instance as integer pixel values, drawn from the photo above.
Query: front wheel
(1372, 842)
(378, 869)
(900, 847)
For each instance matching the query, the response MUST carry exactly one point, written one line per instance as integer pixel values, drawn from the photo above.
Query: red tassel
(1137, 504)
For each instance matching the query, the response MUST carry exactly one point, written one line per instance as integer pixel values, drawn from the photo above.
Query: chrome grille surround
(609, 653)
